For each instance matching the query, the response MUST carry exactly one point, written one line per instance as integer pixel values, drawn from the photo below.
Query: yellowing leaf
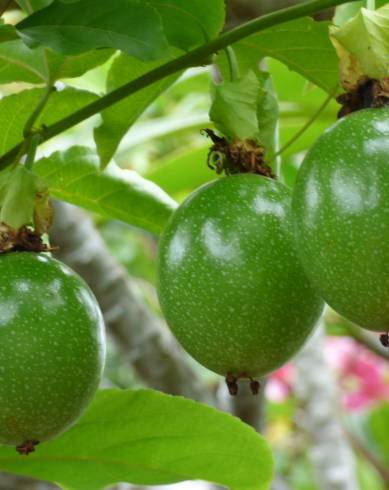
(362, 45)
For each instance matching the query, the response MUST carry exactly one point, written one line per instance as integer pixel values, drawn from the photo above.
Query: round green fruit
(230, 285)
(341, 217)
(52, 348)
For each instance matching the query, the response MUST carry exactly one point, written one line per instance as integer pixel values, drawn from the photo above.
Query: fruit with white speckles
(341, 215)
(229, 282)
(51, 348)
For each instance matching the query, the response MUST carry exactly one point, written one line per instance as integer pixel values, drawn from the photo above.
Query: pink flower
(361, 374)
(279, 384)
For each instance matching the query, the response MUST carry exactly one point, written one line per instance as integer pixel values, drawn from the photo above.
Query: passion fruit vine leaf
(15, 110)
(26, 5)
(74, 176)
(362, 45)
(18, 63)
(73, 28)
(377, 430)
(302, 45)
(120, 117)
(7, 32)
(149, 438)
(187, 24)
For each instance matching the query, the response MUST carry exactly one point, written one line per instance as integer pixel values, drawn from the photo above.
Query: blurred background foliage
(167, 146)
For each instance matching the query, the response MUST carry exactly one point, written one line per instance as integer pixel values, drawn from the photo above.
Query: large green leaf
(303, 45)
(74, 176)
(75, 66)
(33, 5)
(7, 33)
(149, 438)
(21, 64)
(120, 117)
(188, 23)
(181, 173)
(73, 28)
(18, 63)
(378, 430)
(16, 109)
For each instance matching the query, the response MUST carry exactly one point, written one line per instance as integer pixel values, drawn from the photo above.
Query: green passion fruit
(341, 217)
(52, 348)
(229, 282)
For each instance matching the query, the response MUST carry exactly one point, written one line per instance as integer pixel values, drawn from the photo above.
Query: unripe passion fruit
(230, 285)
(51, 348)
(341, 215)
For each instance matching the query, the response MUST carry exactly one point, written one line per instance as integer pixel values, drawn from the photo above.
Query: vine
(192, 58)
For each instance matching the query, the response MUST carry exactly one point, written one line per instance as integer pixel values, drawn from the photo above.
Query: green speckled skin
(51, 347)
(230, 285)
(341, 215)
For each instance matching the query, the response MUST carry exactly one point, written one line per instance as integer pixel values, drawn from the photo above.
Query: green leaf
(363, 45)
(267, 113)
(181, 173)
(33, 5)
(73, 28)
(302, 45)
(118, 119)
(187, 24)
(21, 64)
(74, 176)
(75, 66)
(344, 12)
(149, 438)
(378, 430)
(16, 109)
(234, 108)
(18, 63)
(18, 195)
(7, 33)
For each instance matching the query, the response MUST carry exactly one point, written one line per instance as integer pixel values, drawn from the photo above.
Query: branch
(192, 58)
(315, 388)
(15, 482)
(142, 338)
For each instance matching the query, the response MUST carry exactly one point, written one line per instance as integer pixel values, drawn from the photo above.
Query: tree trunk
(141, 337)
(329, 450)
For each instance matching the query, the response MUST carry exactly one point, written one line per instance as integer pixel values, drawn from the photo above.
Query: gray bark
(141, 337)
(248, 407)
(14, 482)
(329, 450)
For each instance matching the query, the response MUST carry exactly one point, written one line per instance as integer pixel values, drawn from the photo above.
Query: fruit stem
(232, 64)
(191, 58)
(310, 121)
